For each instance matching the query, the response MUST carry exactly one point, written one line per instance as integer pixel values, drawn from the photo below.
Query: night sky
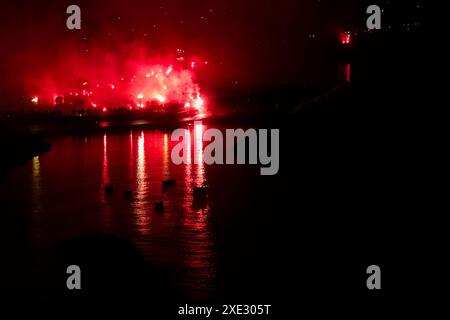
(245, 42)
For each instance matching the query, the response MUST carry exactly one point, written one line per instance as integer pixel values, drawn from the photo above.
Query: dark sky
(249, 41)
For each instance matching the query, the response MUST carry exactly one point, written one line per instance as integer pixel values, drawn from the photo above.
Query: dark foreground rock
(18, 149)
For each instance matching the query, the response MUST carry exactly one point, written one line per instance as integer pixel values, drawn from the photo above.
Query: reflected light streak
(347, 72)
(105, 180)
(198, 143)
(105, 176)
(36, 167)
(131, 152)
(198, 154)
(36, 184)
(195, 220)
(188, 170)
(166, 173)
(188, 147)
(142, 217)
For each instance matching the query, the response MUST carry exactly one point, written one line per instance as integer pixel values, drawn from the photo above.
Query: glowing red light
(35, 100)
(346, 37)
(104, 109)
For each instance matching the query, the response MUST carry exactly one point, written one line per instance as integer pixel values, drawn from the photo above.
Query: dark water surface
(59, 195)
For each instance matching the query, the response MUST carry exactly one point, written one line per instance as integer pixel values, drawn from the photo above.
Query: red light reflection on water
(347, 72)
(140, 203)
(180, 237)
(105, 180)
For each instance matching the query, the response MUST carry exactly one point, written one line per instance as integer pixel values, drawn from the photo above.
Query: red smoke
(126, 77)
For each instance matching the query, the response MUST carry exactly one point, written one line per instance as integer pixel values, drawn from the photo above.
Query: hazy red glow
(126, 79)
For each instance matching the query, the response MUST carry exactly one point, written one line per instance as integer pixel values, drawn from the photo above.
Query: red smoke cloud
(126, 76)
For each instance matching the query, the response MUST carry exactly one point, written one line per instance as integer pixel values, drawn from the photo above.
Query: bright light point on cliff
(169, 70)
(193, 64)
(140, 96)
(104, 109)
(35, 100)
(147, 75)
(113, 86)
(94, 105)
(85, 83)
(187, 105)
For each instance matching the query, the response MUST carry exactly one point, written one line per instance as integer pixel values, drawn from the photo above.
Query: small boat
(108, 189)
(200, 192)
(159, 206)
(128, 194)
(169, 183)
(199, 200)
